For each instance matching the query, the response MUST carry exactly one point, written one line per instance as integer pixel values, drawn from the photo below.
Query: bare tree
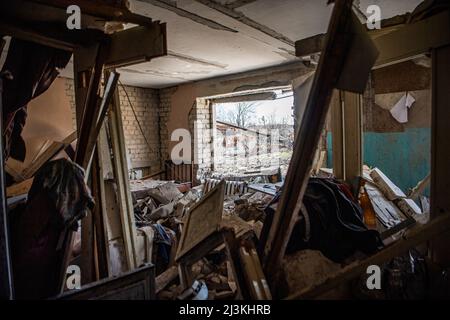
(240, 115)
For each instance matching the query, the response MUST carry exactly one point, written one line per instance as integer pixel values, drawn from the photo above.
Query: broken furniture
(336, 52)
(93, 50)
(202, 233)
(138, 284)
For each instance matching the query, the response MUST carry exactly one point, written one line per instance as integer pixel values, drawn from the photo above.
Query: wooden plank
(99, 116)
(337, 134)
(120, 168)
(52, 37)
(83, 68)
(396, 44)
(101, 10)
(91, 110)
(328, 72)
(413, 237)
(87, 262)
(353, 158)
(117, 260)
(6, 280)
(99, 211)
(19, 188)
(88, 64)
(136, 45)
(163, 280)
(138, 284)
(414, 39)
(253, 274)
(440, 151)
(420, 187)
(47, 155)
(309, 46)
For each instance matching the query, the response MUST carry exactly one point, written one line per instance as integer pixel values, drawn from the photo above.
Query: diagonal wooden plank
(330, 66)
(47, 155)
(412, 238)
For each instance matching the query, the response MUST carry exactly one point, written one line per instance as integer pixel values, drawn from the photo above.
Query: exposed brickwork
(146, 104)
(200, 124)
(70, 92)
(143, 151)
(165, 101)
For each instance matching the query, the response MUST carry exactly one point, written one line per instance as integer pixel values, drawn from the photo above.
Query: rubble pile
(163, 207)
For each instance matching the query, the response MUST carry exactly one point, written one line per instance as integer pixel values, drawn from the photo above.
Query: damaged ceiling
(208, 38)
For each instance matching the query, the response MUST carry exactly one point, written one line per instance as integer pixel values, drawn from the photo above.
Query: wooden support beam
(309, 46)
(412, 238)
(100, 9)
(414, 39)
(83, 69)
(6, 279)
(136, 45)
(398, 43)
(49, 34)
(440, 151)
(327, 75)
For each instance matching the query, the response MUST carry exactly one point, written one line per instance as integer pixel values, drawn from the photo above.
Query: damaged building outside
(224, 150)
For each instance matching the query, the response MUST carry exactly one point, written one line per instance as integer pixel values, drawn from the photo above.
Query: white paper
(400, 110)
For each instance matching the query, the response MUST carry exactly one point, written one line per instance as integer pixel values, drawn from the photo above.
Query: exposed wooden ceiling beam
(98, 9)
(49, 34)
(397, 41)
(315, 44)
(137, 45)
(414, 39)
(309, 46)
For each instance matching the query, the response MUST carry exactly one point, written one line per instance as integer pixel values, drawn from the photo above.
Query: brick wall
(143, 152)
(70, 92)
(200, 115)
(165, 101)
(200, 124)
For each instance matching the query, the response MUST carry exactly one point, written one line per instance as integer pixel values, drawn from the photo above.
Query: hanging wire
(135, 116)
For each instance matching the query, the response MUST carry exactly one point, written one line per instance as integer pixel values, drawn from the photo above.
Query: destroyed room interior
(185, 150)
